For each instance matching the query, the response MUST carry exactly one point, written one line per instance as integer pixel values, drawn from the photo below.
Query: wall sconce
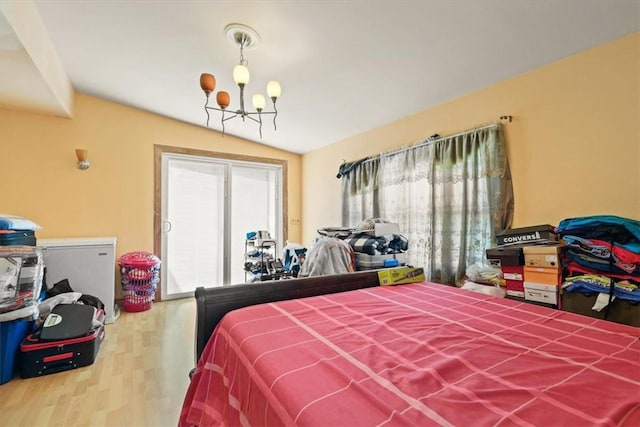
(83, 163)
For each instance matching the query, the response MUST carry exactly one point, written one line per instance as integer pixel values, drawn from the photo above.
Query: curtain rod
(437, 138)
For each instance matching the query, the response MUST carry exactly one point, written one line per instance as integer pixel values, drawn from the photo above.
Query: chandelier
(244, 38)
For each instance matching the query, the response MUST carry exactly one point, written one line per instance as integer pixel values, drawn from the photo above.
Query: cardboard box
(499, 257)
(514, 279)
(621, 311)
(386, 228)
(515, 288)
(515, 293)
(400, 275)
(542, 256)
(541, 292)
(536, 233)
(544, 275)
(513, 273)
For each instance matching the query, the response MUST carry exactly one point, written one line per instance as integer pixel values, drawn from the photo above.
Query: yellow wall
(39, 178)
(574, 149)
(573, 145)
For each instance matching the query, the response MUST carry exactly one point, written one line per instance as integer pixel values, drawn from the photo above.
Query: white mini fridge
(88, 263)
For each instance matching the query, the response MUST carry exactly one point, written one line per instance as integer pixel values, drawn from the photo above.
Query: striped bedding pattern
(414, 355)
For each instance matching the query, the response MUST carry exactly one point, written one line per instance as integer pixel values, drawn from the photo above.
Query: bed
(356, 354)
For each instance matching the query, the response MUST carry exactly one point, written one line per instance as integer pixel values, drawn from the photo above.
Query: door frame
(159, 150)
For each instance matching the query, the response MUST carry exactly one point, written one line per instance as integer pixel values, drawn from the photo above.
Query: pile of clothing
(294, 257)
(372, 248)
(327, 256)
(602, 253)
(366, 242)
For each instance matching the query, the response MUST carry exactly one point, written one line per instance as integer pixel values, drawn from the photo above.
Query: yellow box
(400, 275)
(542, 256)
(543, 275)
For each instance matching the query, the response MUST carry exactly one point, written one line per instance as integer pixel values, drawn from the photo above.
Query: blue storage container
(17, 237)
(11, 335)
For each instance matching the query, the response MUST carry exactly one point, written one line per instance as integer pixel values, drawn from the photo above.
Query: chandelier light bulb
(207, 82)
(258, 101)
(223, 99)
(241, 75)
(273, 89)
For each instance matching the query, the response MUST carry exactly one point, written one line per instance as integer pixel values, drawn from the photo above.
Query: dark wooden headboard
(213, 303)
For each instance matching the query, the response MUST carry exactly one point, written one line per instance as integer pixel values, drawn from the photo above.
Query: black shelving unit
(258, 257)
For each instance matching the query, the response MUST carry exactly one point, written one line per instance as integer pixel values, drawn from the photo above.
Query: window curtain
(360, 198)
(450, 197)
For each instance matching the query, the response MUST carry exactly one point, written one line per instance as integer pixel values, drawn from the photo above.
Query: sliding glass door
(254, 206)
(208, 206)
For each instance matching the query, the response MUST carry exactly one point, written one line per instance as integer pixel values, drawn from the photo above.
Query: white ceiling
(345, 66)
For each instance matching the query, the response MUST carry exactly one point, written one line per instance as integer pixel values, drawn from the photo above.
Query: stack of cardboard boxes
(529, 258)
(511, 262)
(542, 273)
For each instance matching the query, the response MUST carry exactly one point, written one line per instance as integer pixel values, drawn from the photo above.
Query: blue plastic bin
(11, 335)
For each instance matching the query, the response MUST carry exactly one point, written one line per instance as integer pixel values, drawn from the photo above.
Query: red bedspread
(414, 355)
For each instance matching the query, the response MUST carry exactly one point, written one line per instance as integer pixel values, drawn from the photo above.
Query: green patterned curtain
(360, 191)
(450, 197)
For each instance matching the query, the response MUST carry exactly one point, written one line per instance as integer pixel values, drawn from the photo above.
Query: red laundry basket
(140, 274)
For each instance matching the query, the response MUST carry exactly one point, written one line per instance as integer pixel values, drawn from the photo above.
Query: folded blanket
(624, 232)
(13, 222)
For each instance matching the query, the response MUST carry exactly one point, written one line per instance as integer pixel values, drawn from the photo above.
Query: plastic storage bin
(140, 274)
(21, 270)
(17, 237)
(11, 335)
(372, 262)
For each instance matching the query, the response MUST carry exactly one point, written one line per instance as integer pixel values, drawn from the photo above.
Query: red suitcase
(40, 357)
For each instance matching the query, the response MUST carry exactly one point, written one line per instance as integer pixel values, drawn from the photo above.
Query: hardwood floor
(138, 379)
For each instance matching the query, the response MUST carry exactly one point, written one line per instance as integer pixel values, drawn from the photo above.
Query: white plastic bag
(495, 291)
(483, 273)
